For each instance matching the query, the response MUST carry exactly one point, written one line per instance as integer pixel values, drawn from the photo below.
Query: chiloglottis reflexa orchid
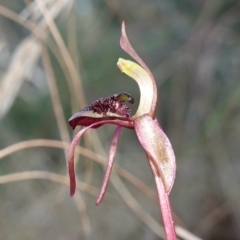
(112, 110)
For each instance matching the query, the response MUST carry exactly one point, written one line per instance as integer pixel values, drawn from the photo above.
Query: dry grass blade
(85, 221)
(64, 133)
(77, 87)
(80, 150)
(33, 13)
(30, 175)
(20, 66)
(72, 37)
(184, 234)
(129, 200)
(41, 33)
(63, 180)
(34, 28)
(18, 70)
(133, 204)
(57, 106)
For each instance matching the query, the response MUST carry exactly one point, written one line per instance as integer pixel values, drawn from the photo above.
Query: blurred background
(57, 56)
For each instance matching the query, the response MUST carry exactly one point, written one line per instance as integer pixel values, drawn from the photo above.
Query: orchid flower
(112, 110)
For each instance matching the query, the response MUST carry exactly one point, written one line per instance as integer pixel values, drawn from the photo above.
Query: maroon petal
(71, 151)
(158, 148)
(74, 144)
(112, 153)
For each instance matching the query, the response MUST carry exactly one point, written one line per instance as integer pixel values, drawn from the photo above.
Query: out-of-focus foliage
(193, 49)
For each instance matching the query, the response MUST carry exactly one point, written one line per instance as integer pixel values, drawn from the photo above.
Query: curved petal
(158, 148)
(71, 151)
(112, 153)
(145, 84)
(73, 145)
(127, 47)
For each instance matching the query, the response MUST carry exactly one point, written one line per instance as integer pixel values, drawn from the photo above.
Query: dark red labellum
(103, 109)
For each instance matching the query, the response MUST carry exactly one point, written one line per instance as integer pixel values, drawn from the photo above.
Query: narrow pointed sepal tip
(72, 193)
(112, 154)
(123, 26)
(97, 203)
(101, 196)
(72, 188)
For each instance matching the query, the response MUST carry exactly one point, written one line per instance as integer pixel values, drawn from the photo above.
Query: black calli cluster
(112, 104)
